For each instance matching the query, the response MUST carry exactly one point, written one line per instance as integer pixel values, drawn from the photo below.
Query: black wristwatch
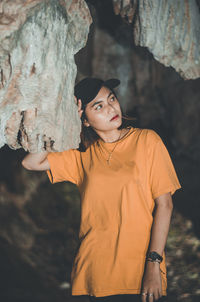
(153, 256)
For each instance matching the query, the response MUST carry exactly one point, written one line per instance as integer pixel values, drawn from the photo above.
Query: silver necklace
(110, 153)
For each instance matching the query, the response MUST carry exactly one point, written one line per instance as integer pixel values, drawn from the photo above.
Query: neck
(112, 136)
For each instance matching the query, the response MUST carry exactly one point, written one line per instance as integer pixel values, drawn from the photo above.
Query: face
(102, 109)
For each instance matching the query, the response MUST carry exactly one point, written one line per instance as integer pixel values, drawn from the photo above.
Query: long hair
(88, 134)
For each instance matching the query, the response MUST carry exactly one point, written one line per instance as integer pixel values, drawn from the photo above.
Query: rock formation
(38, 41)
(170, 29)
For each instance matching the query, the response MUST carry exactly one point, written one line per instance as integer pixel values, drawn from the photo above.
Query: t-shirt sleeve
(64, 166)
(162, 174)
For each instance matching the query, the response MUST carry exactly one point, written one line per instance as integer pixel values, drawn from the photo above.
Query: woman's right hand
(79, 104)
(36, 161)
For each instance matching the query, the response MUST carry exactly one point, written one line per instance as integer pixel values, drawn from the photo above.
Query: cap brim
(112, 83)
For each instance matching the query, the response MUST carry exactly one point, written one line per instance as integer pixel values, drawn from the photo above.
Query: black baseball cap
(88, 88)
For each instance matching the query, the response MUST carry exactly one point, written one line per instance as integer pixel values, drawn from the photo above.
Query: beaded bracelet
(156, 260)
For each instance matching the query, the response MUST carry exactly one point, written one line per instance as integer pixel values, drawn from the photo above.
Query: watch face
(154, 256)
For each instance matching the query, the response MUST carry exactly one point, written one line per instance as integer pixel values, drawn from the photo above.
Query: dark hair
(88, 134)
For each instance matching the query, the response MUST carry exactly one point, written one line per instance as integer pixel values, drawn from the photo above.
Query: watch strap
(154, 256)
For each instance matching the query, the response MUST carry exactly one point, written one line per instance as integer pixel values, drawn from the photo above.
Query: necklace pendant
(108, 160)
(110, 153)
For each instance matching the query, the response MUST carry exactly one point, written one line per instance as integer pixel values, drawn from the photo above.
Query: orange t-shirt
(117, 201)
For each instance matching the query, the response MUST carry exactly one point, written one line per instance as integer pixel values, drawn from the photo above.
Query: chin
(117, 124)
(120, 121)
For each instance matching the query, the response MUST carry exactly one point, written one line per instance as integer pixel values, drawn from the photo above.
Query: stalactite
(126, 8)
(38, 41)
(169, 29)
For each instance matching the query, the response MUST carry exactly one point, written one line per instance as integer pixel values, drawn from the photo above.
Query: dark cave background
(40, 222)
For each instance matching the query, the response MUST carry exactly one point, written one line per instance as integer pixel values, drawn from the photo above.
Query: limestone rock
(170, 29)
(126, 8)
(38, 41)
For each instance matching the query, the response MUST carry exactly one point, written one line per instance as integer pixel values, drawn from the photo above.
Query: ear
(86, 124)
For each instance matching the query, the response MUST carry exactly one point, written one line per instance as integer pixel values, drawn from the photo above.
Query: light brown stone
(38, 41)
(169, 29)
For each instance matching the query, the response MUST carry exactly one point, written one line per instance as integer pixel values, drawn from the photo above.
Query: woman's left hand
(152, 284)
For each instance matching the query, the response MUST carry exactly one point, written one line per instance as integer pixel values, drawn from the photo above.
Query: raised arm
(36, 161)
(39, 161)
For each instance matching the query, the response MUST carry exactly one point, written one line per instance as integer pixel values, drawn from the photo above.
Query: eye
(112, 98)
(98, 107)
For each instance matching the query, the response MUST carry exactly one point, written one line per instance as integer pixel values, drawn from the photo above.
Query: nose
(111, 107)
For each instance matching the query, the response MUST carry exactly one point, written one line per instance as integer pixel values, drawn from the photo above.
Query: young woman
(125, 177)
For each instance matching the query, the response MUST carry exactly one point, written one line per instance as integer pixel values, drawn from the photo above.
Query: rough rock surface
(170, 29)
(126, 8)
(38, 41)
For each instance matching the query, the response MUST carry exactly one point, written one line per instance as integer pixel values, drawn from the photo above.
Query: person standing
(126, 180)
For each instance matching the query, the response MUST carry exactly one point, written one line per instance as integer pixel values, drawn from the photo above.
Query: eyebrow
(97, 102)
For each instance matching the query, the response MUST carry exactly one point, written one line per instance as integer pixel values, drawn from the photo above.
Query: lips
(114, 117)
